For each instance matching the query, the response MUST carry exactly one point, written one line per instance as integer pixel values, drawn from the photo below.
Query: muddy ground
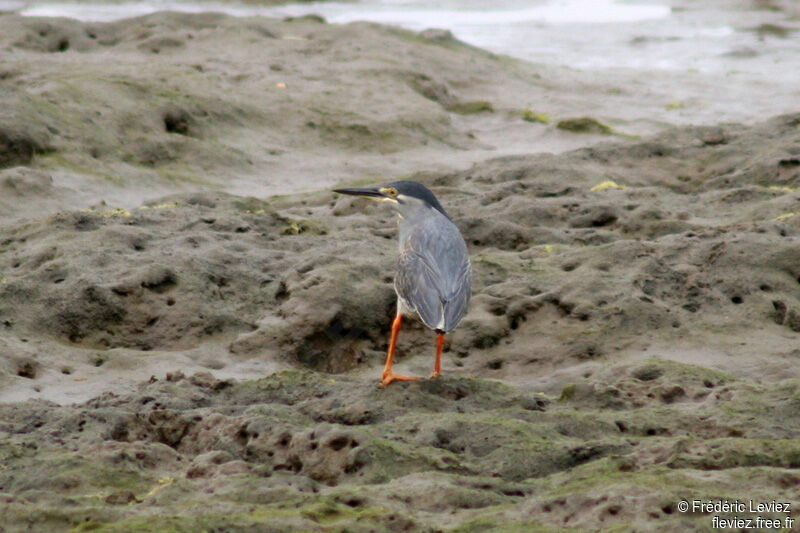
(182, 350)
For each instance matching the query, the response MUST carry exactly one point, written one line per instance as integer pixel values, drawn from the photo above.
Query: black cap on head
(418, 190)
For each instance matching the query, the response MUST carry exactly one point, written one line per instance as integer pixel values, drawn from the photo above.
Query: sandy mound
(675, 241)
(282, 106)
(592, 268)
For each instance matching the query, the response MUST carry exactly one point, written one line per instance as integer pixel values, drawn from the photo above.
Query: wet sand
(182, 349)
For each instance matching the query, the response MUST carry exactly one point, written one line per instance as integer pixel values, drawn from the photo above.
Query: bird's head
(405, 196)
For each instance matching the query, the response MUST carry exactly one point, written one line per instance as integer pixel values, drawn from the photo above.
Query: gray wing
(434, 275)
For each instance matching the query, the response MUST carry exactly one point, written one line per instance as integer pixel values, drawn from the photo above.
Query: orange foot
(388, 377)
(435, 374)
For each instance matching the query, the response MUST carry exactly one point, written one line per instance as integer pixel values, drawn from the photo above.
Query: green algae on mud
(530, 115)
(447, 454)
(584, 125)
(470, 108)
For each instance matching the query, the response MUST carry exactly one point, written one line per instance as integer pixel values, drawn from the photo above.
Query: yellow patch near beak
(390, 193)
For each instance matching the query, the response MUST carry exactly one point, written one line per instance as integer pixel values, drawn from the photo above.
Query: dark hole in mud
(764, 287)
(498, 309)
(63, 45)
(621, 426)
(780, 311)
(353, 502)
(282, 293)
(603, 221)
(708, 383)
(339, 442)
(737, 300)
(486, 341)
(497, 364)
(177, 122)
(170, 302)
(569, 267)
(512, 492)
(667, 509)
(58, 280)
(26, 370)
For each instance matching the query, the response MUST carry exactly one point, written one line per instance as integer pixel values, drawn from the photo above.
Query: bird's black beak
(369, 192)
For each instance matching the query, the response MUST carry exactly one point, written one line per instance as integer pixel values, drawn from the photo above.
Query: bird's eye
(391, 191)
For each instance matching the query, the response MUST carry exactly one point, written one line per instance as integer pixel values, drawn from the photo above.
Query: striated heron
(434, 276)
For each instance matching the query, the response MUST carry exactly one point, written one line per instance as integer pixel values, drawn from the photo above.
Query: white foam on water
(419, 15)
(413, 14)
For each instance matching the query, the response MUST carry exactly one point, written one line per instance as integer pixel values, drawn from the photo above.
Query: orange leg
(389, 376)
(437, 365)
